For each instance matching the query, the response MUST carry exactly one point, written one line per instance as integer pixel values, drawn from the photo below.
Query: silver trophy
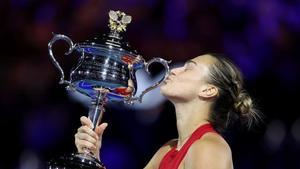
(103, 72)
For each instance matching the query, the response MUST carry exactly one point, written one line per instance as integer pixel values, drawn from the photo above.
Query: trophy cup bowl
(106, 66)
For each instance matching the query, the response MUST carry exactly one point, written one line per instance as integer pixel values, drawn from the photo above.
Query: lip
(168, 79)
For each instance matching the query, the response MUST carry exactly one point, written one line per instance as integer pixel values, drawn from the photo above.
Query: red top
(173, 158)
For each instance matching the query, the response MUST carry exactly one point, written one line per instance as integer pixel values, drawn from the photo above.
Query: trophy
(106, 67)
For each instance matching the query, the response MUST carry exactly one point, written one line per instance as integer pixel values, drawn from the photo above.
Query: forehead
(206, 60)
(202, 64)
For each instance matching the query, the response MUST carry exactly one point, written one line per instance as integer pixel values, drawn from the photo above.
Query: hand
(130, 87)
(86, 138)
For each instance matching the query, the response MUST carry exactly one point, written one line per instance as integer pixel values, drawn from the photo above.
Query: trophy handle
(55, 38)
(146, 67)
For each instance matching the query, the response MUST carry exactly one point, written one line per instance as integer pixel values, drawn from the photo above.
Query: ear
(208, 91)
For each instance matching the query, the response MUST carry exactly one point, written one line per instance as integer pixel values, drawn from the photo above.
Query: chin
(162, 89)
(165, 90)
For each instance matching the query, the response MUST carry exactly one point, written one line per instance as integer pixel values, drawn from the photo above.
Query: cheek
(179, 89)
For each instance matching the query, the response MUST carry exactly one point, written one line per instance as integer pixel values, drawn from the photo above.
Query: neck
(189, 117)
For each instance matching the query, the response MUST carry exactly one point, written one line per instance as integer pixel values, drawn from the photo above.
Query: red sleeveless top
(174, 157)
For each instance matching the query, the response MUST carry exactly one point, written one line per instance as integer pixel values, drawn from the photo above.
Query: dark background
(38, 119)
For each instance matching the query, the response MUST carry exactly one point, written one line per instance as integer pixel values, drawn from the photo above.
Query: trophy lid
(113, 41)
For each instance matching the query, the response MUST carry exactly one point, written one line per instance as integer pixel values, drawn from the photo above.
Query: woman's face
(184, 83)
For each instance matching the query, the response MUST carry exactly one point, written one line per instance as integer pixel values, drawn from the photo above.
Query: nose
(175, 71)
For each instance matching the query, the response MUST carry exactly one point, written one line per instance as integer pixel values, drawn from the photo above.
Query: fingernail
(105, 125)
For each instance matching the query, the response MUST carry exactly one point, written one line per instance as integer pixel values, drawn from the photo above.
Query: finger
(130, 87)
(86, 121)
(89, 131)
(130, 83)
(83, 144)
(84, 136)
(100, 129)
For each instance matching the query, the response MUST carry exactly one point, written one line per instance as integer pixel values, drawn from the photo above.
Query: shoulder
(164, 149)
(159, 155)
(211, 151)
(212, 142)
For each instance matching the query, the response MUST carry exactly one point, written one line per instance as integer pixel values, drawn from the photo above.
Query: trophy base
(76, 161)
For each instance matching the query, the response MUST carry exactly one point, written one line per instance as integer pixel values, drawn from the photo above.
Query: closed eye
(189, 65)
(187, 68)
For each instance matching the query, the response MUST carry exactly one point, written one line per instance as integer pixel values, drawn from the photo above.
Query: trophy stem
(97, 109)
(87, 159)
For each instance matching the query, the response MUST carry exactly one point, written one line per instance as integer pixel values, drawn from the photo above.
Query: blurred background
(39, 118)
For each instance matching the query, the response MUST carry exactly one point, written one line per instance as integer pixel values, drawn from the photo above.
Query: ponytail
(246, 110)
(233, 102)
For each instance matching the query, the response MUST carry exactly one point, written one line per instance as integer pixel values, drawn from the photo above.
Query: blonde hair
(233, 102)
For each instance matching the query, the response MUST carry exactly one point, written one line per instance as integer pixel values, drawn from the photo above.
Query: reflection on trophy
(106, 65)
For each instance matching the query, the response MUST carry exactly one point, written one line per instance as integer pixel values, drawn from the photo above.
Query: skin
(187, 88)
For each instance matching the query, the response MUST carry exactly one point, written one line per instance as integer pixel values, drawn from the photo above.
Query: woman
(208, 96)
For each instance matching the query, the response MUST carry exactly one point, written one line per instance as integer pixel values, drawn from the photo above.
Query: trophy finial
(118, 21)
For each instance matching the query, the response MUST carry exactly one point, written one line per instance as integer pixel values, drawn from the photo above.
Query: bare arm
(211, 152)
